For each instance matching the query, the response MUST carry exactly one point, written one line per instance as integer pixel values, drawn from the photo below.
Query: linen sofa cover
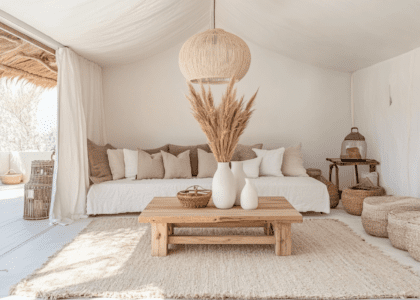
(127, 195)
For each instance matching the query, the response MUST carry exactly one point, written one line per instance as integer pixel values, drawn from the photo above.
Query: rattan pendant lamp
(214, 56)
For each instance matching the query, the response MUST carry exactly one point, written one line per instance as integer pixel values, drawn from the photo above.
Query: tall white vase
(239, 174)
(223, 186)
(249, 195)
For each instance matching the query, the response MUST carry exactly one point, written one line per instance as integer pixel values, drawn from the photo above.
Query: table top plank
(339, 162)
(169, 210)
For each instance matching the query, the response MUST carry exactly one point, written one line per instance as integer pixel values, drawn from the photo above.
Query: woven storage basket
(397, 227)
(332, 188)
(413, 238)
(194, 197)
(376, 209)
(11, 177)
(38, 190)
(353, 197)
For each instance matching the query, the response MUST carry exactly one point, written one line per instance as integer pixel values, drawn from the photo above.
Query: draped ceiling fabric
(344, 35)
(81, 116)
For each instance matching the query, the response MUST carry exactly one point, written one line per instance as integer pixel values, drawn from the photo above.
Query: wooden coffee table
(275, 214)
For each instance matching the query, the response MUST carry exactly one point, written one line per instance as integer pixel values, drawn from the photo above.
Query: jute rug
(111, 258)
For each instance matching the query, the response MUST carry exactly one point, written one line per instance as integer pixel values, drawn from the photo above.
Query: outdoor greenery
(20, 126)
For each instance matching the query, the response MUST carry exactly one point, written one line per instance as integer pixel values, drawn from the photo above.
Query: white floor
(26, 245)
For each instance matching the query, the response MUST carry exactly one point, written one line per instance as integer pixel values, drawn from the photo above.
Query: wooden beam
(26, 38)
(27, 74)
(221, 239)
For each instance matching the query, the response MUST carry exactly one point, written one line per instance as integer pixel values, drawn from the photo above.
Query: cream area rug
(112, 258)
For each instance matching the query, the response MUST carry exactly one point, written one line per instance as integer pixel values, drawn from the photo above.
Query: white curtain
(387, 112)
(80, 116)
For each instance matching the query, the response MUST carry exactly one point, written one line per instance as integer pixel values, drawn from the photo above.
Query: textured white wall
(145, 105)
(387, 112)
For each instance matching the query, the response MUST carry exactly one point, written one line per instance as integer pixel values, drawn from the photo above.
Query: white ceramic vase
(223, 186)
(239, 174)
(249, 196)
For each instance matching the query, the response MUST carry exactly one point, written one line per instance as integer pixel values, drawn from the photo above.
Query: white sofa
(127, 195)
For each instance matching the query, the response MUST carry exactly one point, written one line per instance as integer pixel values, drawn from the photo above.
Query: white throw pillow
(116, 163)
(252, 167)
(293, 162)
(131, 158)
(271, 161)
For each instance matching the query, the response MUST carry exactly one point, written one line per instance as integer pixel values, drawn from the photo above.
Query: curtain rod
(22, 30)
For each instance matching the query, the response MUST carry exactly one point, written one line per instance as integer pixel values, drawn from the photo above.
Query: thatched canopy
(22, 59)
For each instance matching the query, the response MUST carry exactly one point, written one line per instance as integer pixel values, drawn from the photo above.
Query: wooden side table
(335, 162)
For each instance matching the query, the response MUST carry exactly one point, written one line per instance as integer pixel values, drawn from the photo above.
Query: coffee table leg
(159, 239)
(283, 235)
(170, 229)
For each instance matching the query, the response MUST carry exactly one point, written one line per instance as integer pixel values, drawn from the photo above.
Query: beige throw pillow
(207, 164)
(244, 152)
(98, 162)
(293, 162)
(116, 163)
(176, 150)
(177, 166)
(150, 166)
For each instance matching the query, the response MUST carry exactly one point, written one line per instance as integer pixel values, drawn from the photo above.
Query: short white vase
(249, 195)
(239, 174)
(223, 186)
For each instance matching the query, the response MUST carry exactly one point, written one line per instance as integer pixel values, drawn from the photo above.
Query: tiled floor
(26, 245)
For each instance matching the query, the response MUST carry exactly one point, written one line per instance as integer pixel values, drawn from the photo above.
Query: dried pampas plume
(224, 124)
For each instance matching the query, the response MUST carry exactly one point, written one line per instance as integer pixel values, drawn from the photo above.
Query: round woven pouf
(413, 238)
(397, 227)
(353, 197)
(376, 209)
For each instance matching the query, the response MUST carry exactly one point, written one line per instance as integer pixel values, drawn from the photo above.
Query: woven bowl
(194, 198)
(11, 178)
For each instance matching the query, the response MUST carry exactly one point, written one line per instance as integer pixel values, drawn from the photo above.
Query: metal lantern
(354, 147)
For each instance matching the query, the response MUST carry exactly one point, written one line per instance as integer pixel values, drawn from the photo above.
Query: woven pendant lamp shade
(214, 56)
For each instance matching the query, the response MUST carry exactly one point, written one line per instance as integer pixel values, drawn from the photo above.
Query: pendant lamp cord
(214, 14)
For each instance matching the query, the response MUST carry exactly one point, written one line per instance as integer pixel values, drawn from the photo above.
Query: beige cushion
(150, 166)
(157, 150)
(177, 166)
(116, 163)
(243, 152)
(98, 162)
(207, 164)
(293, 162)
(176, 150)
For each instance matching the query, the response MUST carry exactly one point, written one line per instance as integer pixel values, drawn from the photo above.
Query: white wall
(392, 130)
(145, 105)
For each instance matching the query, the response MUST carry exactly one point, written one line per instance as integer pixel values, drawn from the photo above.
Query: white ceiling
(344, 35)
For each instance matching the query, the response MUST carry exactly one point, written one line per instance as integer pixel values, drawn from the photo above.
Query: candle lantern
(354, 147)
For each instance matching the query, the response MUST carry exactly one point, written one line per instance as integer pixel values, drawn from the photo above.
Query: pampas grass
(224, 124)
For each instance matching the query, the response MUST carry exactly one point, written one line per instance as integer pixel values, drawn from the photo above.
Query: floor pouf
(376, 209)
(413, 238)
(397, 227)
(353, 197)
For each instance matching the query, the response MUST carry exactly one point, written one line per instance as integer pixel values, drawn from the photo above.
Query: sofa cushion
(176, 150)
(98, 162)
(177, 166)
(130, 163)
(271, 161)
(157, 150)
(116, 163)
(207, 164)
(293, 162)
(244, 152)
(251, 167)
(150, 166)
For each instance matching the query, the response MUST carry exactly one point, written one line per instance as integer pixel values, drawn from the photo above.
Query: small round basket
(353, 197)
(194, 197)
(11, 177)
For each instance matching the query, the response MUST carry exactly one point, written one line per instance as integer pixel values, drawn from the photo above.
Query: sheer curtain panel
(80, 116)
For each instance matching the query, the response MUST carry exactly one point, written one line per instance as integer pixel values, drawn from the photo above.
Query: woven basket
(376, 209)
(413, 238)
(11, 177)
(194, 197)
(332, 188)
(353, 197)
(397, 227)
